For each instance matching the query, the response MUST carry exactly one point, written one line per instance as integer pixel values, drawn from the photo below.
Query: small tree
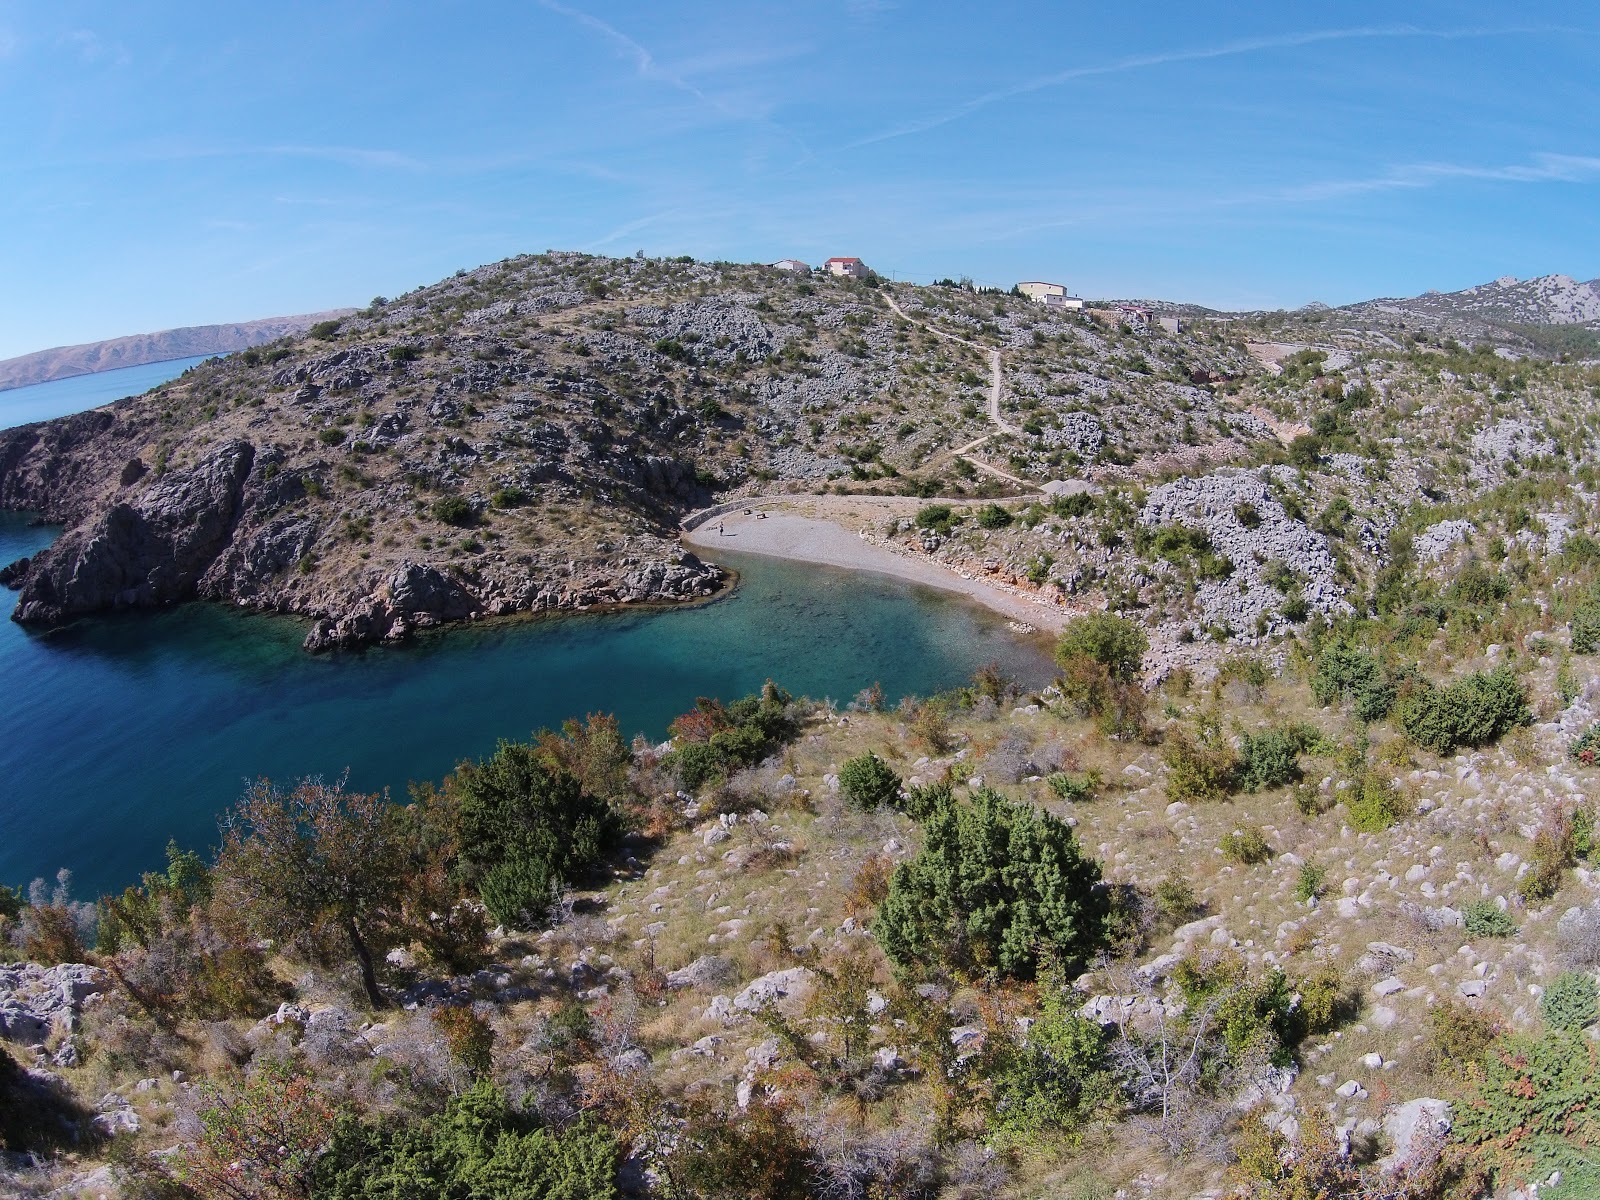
(1114, 642)
(312, 859)
(996, 885)
(868, 782)
(526, 829)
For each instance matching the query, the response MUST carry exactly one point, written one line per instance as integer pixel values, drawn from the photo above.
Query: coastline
(832, 531)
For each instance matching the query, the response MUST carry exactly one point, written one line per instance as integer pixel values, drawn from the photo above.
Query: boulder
(1408, 1127)
(707, 971)
(774, 987)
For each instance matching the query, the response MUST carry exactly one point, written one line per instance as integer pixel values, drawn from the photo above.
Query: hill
(63, 362)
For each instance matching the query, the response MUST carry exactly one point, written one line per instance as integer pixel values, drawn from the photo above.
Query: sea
(59, 397)
(123, 731)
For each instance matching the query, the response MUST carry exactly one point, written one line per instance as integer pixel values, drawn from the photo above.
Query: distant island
(64, 362)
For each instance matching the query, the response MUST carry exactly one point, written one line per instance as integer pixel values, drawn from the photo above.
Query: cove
(123, 731)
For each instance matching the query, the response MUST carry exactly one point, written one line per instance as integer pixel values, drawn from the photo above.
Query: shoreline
(814, 530)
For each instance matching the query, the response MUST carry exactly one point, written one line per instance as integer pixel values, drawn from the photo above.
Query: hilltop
(64, 362)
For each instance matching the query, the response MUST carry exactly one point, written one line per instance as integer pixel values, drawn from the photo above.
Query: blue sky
(168, 164)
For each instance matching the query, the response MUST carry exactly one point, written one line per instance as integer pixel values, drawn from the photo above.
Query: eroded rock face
(37, 1002)
(147, 551)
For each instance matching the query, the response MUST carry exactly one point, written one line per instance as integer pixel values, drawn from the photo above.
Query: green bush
(1114, 642)
(1176, 900)
(1472, 711)
(1572, 1001)
(479, 1147)
(1248, 846)
(331, 436)
(1533, 1111)
(1075, 789)
(1485, 918)
(526, 828)
(1587, 747)
(715, 739)
(937, 517)
(868, 782)
(1374, 804)
(1586, 628)
(1057, 1078)
(1349, 674)
(453, 510)
(1197, 772)
(1311, 882)
(992, 516)
(323, 330)
(1271, 759)
(996, 886)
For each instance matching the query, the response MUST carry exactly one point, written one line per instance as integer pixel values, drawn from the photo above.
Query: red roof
(832, 260)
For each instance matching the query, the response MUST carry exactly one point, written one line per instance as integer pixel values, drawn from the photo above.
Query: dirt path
(996, 382)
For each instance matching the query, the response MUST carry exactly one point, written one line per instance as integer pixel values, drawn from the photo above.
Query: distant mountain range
(1508, 301)
(63, 362)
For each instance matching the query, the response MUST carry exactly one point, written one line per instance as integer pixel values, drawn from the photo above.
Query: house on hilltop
(852, 268)
(792, 264)
(1052, 295)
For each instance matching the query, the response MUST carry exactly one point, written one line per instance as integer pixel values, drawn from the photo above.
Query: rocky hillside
(526, 436)
(63, 362)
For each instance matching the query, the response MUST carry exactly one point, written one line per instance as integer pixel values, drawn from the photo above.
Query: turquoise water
(124, 731)
(41, 401)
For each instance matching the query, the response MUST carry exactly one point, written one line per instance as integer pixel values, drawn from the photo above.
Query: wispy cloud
(644, 62)
(1542, 168)
(1141, 62)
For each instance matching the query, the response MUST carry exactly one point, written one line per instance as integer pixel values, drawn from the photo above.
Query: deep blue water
(123, 731)
(41, 401)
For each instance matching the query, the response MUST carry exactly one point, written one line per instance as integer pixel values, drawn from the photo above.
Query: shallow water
(59, 397)
(126, 730)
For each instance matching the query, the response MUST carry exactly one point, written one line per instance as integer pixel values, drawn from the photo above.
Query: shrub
(1311, 882)
(1176, 900)
(1586, 628)
(716, 739)
(526, 828)
(1472, 711)
(1074, 789)
(1271, 759)
(323, 330)
(995, 886)
(1485, 918)
(453, 510)
(1197, 772)
(1246, 846)
(1533, 1111)
(1345, 673)
(1458, 1034)
(1572, 1001)
(937, 517)
(992, 516)
(1374, 804)
(510, 497)
(868, 782)
(1587, 746)
(479, 1146)
(330, 436)
(1554, 850)
(1114, 642)
(1057, 1078)
(404, 353)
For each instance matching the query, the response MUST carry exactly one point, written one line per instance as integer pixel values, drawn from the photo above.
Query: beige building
(854, 268)
(792, 264)
(1053, 295)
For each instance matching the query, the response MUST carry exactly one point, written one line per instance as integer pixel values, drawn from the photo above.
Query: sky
(166, 164)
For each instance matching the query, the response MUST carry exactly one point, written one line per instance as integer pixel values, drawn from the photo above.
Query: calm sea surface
(41, 401)
(123, 731)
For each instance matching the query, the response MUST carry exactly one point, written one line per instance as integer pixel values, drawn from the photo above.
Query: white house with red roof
(853, 268)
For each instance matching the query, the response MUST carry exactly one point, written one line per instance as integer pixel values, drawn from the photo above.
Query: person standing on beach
(720, 531)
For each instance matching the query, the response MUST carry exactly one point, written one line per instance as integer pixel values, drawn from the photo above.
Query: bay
(60, 397)
(126, 730)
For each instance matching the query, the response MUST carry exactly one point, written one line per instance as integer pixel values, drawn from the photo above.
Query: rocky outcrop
(37, 1003)
(147, 551)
